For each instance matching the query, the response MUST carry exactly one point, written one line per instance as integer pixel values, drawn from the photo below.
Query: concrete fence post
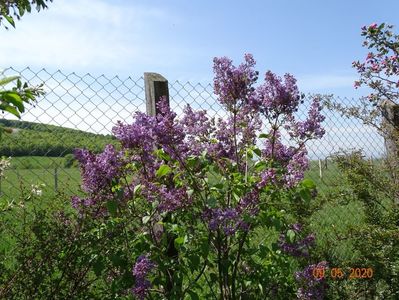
(390, 125)
(156, 86)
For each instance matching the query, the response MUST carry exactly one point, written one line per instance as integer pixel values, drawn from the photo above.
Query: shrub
(183, 208)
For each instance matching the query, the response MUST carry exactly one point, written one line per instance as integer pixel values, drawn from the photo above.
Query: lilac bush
(194, 191)
(311, 287)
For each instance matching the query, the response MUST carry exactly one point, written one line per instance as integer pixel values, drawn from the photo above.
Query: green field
(27, 170)
(333, 220)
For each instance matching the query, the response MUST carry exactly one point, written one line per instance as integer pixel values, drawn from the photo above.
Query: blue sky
(312, 39)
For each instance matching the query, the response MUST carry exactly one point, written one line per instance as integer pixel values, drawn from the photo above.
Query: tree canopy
(15, 9)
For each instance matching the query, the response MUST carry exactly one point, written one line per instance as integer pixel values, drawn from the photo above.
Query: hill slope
(37, 139)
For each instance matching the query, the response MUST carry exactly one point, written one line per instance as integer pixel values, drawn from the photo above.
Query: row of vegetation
(34, 139)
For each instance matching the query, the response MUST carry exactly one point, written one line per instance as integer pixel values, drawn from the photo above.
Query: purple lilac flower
(169, 133)
(296, 168)
(299, 247)
(143, 266)
(311, 127)
(312, 287)
(233, 85)
(141, 287)
(276, 150)
(249, 203)
(278, 97)
(267, 177)
(198, 129)
(138, 135)
(141, 270)
(227, 219)
(98, 170)
(297, 227)
(170, 199)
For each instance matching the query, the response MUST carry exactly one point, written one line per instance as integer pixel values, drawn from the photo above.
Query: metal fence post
(156, 86)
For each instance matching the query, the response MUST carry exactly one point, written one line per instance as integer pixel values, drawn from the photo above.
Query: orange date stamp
(340, 273)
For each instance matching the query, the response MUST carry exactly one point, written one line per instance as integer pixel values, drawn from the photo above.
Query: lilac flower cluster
(311, 127)
(299, 247)
(138, 135)
(277, 97)
(149, 132)
(296, 167)
(98, 170)
(249, 204)
(312, 287)
(223, 141)
(233, 85)
(228, 220)
(198, 129)
(141, 270)
(267, 177)
(169, 198)
(231, 219)
(293, 162)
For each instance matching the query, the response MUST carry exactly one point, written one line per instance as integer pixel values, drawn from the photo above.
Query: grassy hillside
(34, 139)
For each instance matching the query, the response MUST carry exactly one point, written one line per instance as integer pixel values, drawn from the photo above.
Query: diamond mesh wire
(94, 104)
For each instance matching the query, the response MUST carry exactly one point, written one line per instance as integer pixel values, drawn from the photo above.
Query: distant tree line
(36, 139)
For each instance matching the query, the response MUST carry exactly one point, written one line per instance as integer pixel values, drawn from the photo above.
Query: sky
(314, 40)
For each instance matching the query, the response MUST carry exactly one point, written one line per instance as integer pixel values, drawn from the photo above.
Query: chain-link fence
(93, 104)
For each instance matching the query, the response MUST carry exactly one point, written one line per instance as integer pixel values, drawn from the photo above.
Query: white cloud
(83, 35)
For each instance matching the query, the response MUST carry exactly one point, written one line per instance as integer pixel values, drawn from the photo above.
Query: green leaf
(190, 192)
(291, 235)
(10, 20)
(11, 110)
(308, 183)
(250, 153)
(263, 136)
(257, 152)
(193, 295)
(194, 261)
(162, 155)
(145, 219)
(192, 162)
(204, 248)
(163, 171)
(260, 166)
(305, 194)
(112, 207)
(117, 260)
(98, 267)
(179, 241)
(212, 202)
(137, 189)
(6, 80)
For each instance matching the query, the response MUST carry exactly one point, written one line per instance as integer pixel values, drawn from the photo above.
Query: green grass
(37, 162)
(17, 180)
(30, 170)
(333, 224)
(330, 177)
